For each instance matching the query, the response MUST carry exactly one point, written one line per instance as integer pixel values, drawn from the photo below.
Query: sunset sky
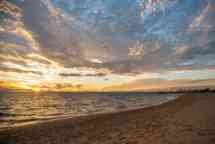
(98, 45)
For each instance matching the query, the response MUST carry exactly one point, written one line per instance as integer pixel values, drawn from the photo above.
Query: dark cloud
(82, 75)
(63, 86)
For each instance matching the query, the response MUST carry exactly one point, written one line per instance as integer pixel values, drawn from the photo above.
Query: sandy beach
(188, 120)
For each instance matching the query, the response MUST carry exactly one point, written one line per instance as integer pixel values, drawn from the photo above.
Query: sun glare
(36, 89)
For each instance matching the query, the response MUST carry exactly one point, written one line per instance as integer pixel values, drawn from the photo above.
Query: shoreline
(85, 115)
(187, 119)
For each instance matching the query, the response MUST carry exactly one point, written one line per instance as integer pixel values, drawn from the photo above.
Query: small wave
(4, 108)
(19, 121)
(12, 114)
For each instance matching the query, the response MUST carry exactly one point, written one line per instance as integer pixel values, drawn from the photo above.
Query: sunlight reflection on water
(22, 108)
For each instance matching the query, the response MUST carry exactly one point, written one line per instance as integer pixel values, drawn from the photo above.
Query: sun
(36, 89)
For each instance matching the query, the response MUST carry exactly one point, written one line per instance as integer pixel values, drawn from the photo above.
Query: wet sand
(188, 120)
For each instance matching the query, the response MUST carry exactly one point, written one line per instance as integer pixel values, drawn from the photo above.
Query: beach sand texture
(188, 120)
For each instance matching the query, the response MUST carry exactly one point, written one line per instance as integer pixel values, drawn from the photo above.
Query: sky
(98, 45)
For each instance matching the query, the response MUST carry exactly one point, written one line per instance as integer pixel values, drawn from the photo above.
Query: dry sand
(187, 120)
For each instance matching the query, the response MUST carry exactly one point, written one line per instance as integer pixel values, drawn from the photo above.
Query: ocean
(21, 108)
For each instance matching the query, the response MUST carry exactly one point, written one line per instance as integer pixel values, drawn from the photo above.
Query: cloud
(135, 45)
(82, 75)
(162, 85)
(203, 21)
(16, 70)
(94, 60)
(15, 38)
(137, 50)
(181, 50)
(10, 9)
(103, 42)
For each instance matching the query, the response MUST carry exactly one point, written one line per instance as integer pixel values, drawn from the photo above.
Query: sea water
(20, 108)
